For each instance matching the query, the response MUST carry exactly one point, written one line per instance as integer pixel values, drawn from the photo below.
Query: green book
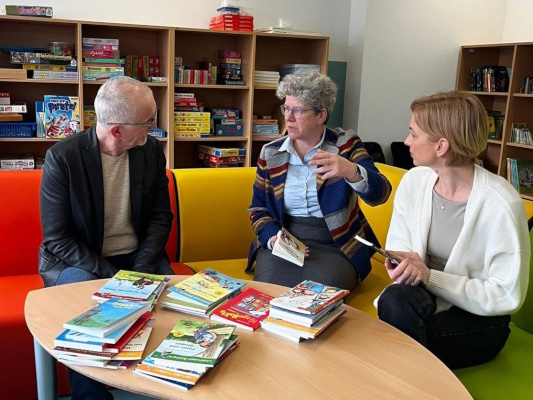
(105, 60)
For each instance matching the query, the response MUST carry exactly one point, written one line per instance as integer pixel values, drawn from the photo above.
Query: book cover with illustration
(207, 287)
(131, 285)
(61, 116)
(107, 317)
(246, 310)
(308, 297)
(193, 345)
(289, 248)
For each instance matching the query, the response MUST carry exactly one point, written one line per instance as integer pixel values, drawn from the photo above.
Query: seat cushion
(508, 376)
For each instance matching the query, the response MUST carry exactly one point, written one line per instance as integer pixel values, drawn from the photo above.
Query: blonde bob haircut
(458, 117)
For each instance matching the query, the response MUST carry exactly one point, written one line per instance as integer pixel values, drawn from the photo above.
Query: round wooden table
(357, 357)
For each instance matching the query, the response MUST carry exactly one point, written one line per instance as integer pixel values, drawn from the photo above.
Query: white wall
(518, 26)
(355, 63)
(411, 49)
(312, 14)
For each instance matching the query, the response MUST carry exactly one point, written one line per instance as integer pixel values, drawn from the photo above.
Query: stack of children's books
(106, 335)
(305, 311)
(199, 294)
(190, 350)
(116, 331)
(246, 310)
(133, 286)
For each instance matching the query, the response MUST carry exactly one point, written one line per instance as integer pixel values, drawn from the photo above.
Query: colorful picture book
(107, 317)
(193, 345)
(130, 285)
(200, 293)
(61, 116)
(289, 248)
(246, 310)
(134, 348)
(308, 297)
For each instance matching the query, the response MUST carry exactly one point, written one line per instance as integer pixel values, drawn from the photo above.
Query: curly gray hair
(311, 88)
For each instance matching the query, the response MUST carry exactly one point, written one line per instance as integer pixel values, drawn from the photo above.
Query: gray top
(446, 223)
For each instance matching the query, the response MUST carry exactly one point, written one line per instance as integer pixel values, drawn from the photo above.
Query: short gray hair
(311, 88)
(119, 98)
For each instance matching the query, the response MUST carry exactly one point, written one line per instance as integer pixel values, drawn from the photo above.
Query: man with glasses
(104, 200)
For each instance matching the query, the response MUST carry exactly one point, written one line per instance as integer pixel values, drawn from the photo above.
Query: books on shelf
(288, 247)
(107, 317)
(246, 310)
(520, 175)
(131, 285)
(200, 293)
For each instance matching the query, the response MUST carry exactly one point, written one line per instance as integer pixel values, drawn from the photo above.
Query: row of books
(520, 175)
(490, 79)
(521, 134)
(495, 119)
(526, 85)
(267, 78)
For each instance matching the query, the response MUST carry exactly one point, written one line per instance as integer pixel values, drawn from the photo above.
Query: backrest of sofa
(214, 222)
(20, 223)
(379, 217)
(172, 243)
(524, 317)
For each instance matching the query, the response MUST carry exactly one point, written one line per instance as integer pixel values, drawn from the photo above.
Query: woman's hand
(333, 165)
(410, 271)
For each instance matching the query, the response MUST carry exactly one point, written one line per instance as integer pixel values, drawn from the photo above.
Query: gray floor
(119, 395)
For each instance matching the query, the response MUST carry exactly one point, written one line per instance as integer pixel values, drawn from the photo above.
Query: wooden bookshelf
(259, 51)
(514, 105)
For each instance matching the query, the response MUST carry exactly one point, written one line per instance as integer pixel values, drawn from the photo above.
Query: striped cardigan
(338, 201)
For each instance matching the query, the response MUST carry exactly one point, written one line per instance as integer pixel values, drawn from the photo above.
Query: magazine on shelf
(289, 248)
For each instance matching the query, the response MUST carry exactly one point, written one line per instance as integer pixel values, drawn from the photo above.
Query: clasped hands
(411, 270)
(332, 165)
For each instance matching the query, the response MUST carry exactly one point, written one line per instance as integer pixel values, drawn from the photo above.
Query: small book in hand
(289, 248)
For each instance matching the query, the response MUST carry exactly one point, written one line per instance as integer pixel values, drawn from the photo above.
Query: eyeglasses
(297, 112)
(149, 124)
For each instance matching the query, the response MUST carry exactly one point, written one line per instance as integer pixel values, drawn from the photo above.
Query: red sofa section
(21, 235)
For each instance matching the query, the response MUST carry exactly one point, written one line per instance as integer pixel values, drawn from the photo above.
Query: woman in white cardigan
(460, 235)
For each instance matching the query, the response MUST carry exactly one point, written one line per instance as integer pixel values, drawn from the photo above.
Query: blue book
(39, 119)
(107, 317)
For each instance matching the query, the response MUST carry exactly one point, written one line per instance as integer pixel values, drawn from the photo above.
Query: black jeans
(458, 338)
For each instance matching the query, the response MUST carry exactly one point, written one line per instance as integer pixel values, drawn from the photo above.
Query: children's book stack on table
(305, 311)
(199, 294)
(133, 286)
(246, 310)
(189, 351)
(106, 335)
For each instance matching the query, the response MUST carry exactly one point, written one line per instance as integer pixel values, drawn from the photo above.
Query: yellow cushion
(214, 222)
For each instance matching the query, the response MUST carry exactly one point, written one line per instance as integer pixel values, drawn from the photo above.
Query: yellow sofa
(215, 229)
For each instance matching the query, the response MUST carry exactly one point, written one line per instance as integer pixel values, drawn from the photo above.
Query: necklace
(443, 205)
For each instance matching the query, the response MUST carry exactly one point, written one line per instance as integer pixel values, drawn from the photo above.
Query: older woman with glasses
(309, 182)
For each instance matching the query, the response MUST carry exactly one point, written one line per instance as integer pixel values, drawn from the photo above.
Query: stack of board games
(218, 157)
(99, 334)
(61, 116)
(267, 78)
(40, 63)
(305, 311)
(10, 112)
(228, 22)
(265, 127)
(89, 116)
(101, 59)
(190, 350)
(246, 310)
(189, 118)
(226, 122)
(229, 68)
(200, 293)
